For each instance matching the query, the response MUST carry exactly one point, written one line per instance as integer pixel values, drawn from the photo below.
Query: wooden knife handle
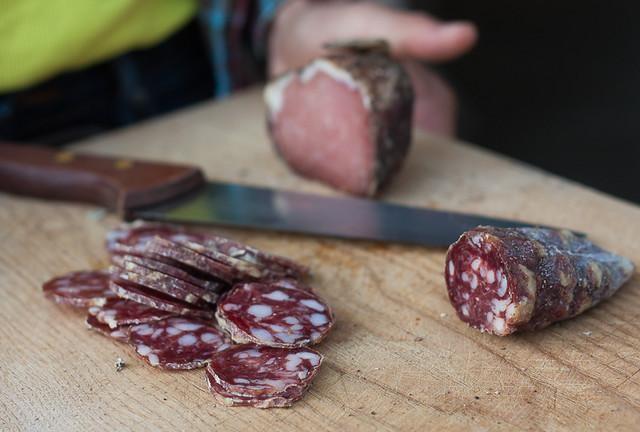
(118, 184)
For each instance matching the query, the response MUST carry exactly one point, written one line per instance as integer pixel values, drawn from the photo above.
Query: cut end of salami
(503, 280)
(81, 289)
(343, 119)
(274, 314)
(177, 343)
(262, 377)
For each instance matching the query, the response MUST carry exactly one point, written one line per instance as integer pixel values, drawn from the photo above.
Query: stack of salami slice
(185, 300)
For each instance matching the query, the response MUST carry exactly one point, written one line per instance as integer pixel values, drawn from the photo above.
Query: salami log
(345, 118)
(177, 343)
(274, 314)
(120, 312)
(80, 289)
(121, 334)
(157, 300)
(260, 376)
(503, 280)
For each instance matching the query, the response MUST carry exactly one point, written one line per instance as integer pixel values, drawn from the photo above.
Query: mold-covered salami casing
(503, 280)
(345, 118)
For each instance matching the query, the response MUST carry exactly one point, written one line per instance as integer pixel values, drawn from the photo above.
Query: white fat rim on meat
(273, 92)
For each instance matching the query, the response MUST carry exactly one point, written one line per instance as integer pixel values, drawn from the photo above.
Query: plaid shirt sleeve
(237, 36)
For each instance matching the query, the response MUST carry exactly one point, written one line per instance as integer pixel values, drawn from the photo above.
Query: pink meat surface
(323, 132)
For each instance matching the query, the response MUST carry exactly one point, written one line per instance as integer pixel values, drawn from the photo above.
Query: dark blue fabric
(127, 89)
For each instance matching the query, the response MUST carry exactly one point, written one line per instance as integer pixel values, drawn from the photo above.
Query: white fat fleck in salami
(177, 343)
(260, 311)
(465, 309)
(499, 305)
(474, 282)
(502, 290)
(277, 295)
(475, 264)
(491, 276)
(313, 304)
(261, 334)
(288, 319)
(260, 376)
(82, 289)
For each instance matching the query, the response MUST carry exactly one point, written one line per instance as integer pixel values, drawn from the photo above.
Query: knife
(179, 193)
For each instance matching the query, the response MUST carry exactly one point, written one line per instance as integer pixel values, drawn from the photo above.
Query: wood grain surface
(398, 358)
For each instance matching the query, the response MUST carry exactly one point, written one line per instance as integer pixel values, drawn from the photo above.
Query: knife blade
(350, 218)
(179, 193)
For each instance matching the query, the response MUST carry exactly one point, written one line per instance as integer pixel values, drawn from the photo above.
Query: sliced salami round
(121, 334)
(81, 289)
(272, 265)
(132, 238)
(140, 294)
(177, 343)
(168, 269)
(274, 315)
(190, 258)
(281, 400)
(169, 285)
(119, 312)
(260, 376)
(242, 270)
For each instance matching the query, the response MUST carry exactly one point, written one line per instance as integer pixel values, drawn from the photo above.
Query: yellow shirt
(40, 39)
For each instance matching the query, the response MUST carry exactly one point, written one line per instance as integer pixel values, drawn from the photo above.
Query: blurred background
(551, 83)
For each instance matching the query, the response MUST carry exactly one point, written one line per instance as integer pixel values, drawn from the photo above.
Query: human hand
(302, 27)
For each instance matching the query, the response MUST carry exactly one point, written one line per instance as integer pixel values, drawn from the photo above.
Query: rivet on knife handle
(115, 183)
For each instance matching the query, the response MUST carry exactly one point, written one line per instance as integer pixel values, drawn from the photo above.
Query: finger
(412, 35)
(435, 103)
(437, 43)
(420, 36)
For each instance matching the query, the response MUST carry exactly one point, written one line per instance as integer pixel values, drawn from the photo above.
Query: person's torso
(41, 39)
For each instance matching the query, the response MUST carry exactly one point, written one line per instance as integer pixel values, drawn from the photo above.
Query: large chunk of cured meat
(345, 118)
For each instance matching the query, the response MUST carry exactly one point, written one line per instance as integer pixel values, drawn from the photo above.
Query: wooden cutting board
(398, 357)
